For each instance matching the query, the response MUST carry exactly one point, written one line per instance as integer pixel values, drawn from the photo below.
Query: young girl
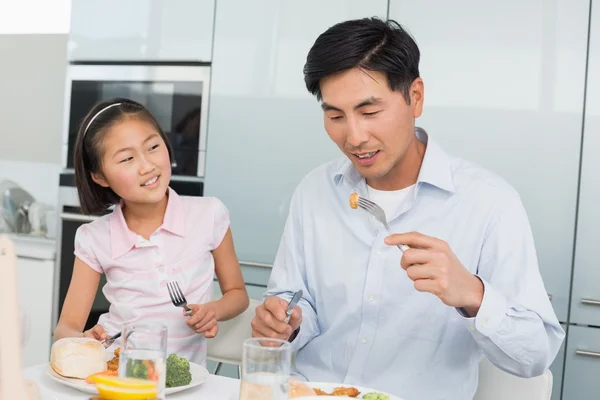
(152, 237)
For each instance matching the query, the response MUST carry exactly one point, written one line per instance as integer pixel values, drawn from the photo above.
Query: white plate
(328, 387)
(199, 376)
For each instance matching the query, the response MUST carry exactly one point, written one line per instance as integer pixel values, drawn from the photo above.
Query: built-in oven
(177, 95)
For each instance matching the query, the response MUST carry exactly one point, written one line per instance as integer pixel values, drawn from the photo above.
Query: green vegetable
(376, 396)
(178, 371)
(136, 369)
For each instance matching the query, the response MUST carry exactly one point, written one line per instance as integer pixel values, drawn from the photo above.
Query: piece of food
(77, 357)
(339, 391)
(113, 365)
(115, 388)
(178, 372)
(90, 379)
(376, 396)
(345, 391)
(300, 389)
(354, 200)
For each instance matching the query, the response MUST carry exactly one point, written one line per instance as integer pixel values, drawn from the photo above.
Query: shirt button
(378, 251)
(371, 298)
(364, 340)
(472, 329)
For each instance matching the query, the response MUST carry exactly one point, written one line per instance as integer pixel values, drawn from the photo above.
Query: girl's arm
(78, 302)
(229, 274)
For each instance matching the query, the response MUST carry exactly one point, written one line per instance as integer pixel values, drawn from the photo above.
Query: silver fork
(177, 296)
(379, 215)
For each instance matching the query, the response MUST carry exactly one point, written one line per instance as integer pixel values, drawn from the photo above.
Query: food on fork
(354, 200)
(77, 357)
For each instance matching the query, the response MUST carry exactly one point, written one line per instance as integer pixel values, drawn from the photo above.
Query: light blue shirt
(363, 321)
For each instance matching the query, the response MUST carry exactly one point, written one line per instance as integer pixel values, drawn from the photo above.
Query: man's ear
(99, 179)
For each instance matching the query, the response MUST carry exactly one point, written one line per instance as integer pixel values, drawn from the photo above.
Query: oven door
(70, 221)
(176, 95)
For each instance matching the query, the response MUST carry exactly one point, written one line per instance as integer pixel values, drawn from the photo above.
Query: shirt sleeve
(221, 223)
(516, 326)
(289, 274)
(84, 249)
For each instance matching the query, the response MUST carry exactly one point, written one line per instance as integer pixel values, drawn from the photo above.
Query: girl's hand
(204, 319)
(97, 332)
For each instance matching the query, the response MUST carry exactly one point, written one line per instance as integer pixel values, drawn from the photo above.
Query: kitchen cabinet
(582, 367)
(35, 280)
(504, 88)
(585, 304)
(265, 130)
(141, 30)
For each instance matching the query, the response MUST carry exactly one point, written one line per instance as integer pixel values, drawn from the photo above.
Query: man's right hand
(97, 332)
(270, 317)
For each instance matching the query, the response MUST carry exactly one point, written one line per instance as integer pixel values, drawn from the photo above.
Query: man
(415, 324)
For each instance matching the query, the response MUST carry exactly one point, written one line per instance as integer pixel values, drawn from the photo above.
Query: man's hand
(270, 317)
(434, 268)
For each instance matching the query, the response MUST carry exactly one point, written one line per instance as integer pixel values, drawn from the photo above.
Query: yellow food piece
(354, 200)
(117, 393)
(122, 383)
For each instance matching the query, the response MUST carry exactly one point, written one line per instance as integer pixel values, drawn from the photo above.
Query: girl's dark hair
(367, 43)
(87, 158)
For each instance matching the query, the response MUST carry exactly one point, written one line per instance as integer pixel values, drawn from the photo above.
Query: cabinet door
(35, 281)
(265, 131)
(585, 305)
(582, 367)
(141, 30)
(504, 84)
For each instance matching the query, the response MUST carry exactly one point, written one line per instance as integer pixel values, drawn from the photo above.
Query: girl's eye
(126, 159)
(154, 147)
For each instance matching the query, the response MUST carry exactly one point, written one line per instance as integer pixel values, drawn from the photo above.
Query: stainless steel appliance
(177, 95)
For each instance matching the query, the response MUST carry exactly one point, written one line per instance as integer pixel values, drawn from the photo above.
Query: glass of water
(143, 353)
(266, 365)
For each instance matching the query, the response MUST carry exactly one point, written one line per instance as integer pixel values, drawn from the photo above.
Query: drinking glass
(143, 353)
(266, 365)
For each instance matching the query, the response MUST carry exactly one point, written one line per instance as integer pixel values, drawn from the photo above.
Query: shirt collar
(435, 168)
(122, 239)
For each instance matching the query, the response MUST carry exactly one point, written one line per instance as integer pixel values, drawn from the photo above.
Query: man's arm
(289, 274)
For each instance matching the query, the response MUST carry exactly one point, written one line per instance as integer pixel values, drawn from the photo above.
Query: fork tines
(175, 293)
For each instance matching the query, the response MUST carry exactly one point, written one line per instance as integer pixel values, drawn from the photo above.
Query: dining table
(214, 388)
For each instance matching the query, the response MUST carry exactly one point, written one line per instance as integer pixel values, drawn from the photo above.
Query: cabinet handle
(587, 353)
(591, 302)
(77, 217)
(550, 297)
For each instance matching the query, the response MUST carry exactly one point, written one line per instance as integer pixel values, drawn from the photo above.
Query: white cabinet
(504, 87)
(35, 275)
(265, 131)
(585, 304)
(141, 30)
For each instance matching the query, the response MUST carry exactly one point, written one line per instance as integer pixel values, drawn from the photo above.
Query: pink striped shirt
(137, 269)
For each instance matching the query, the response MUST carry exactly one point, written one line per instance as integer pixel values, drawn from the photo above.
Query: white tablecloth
(215, 388)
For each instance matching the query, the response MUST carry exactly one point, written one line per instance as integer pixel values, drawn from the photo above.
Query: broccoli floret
(376, 396)
(178, 371)
(137, 369)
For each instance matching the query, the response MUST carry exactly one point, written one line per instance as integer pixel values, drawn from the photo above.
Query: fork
(177, 296)
(378, 213)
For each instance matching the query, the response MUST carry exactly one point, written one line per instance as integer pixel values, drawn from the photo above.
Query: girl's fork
(177, 297)
(378, 213)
